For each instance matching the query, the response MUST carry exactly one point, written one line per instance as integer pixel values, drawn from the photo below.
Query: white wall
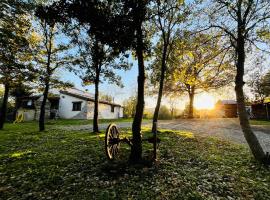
(104, 111)
(121, 110)
(87, 112)
(66, 105)
(28, 114)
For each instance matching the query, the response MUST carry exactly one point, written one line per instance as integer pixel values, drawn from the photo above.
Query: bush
(164, 113)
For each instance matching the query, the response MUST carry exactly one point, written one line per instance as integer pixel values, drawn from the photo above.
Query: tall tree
(50, 56)
(96, 63)
(198, 63)
(118, 24)
(14, 47)
(241, 21)
(139, 16)
(168, 16)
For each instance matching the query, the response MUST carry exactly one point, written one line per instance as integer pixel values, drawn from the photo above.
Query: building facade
(226, 108)
(69, 104)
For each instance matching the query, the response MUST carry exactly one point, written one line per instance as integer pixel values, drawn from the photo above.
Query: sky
(119, 94)
(129, 80)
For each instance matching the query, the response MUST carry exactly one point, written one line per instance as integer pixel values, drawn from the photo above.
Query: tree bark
(191, 102)
(4, 107)
(160, 91)
(43, 107)
(95, 120)
(136, 148)
(250, 137)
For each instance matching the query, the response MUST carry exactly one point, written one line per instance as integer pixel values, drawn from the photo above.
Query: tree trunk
(191, 102)
(43, 107)
(136, 148)
(4, 107)
(250, 137)
(160, 91)
(95, 120)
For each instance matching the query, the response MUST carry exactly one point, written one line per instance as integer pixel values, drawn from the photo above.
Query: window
(77, 106)
(29, 103)
(112, 108)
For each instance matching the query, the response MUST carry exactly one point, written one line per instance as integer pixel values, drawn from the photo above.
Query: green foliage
(164, 113)
(106, 97)
(266, 84)
(65, 122)
(95, 61)
(130, 107)
(147, 114)
(50, 53)
(168, 21)
(15, 59)
(198, 63)
(259, 82)
(72, 165)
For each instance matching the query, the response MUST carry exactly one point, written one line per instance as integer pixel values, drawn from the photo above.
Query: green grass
(60, 164)
(85, 121)
(259, 122)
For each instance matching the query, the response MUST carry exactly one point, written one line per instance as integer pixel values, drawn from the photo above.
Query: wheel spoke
(113, 151)
(112, 141)
(110, 151)
(113, 131)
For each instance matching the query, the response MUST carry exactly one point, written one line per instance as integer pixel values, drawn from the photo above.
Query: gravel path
(228, 129)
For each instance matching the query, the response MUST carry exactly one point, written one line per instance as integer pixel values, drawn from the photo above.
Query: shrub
(164, 113)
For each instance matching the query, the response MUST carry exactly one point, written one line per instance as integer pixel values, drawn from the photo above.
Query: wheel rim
(112, 142)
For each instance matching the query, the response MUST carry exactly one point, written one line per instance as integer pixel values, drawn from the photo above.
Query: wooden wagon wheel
(112, 141)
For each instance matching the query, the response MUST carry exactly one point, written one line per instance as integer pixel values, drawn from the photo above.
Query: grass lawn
(84, 121)
(72, 165)
(259, 122)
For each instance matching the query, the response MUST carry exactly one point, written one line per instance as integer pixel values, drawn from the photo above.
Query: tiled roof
(84, 95)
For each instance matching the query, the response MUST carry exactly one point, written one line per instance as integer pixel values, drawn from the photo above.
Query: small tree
(14, 48)
(241, 22)
(96, 63)
(107, 97)
(164, 113)
(255, 82)
(50, 56)
(130, 106)
(266, 84)
(172, 102)
(168, 17)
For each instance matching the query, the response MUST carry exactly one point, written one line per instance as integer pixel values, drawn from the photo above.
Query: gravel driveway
(228, 129)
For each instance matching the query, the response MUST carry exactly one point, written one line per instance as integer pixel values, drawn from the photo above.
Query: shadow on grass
(72, 165)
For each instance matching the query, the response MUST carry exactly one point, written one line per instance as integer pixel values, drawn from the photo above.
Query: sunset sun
(204, 101)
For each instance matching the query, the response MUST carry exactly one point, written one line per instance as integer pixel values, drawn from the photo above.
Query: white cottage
(77, 104)
(69, 104)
